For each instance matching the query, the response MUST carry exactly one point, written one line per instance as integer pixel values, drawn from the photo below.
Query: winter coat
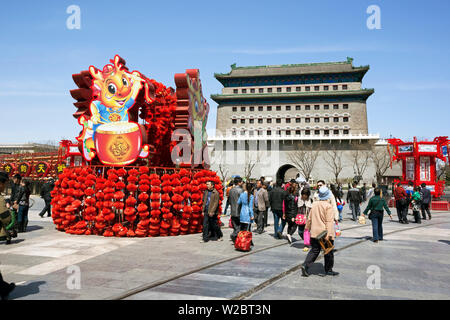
(426, 195)
(233, 198)
(321, 218)
(213, 206)
(246, 207)
(290, 206)
(276, 197)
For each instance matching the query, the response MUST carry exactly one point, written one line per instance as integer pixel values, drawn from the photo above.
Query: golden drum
(118, 143)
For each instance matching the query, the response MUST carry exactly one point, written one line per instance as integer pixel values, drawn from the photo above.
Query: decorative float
(140, 164)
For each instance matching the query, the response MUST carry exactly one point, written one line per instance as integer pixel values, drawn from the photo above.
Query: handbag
(300, 219)
(361, 220)
(306, 238)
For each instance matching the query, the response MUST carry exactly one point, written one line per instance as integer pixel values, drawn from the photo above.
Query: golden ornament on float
(118, 143)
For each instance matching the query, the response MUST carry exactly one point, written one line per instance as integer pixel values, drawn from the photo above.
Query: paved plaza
(413, 263)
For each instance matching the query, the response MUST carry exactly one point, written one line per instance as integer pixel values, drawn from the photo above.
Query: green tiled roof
(289, 66)
(222, 97)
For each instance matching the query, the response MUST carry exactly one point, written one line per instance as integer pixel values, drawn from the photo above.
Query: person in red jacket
(401, 203)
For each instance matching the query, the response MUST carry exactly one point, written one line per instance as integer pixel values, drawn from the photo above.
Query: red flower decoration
(132, 187)
(144, 169)
(144, 196)
(142, 207)
(120, 185)
(133, 172)
(121, 172)
(129, 211)
(113, 177)
(119, 195)
(131, 201)
(132, 179)
(155, 182)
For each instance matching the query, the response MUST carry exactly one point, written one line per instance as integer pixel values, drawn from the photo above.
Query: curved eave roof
(230, 75)
(224, 97)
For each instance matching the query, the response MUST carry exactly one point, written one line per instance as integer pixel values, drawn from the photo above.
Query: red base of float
(131, 202)
(435, 205)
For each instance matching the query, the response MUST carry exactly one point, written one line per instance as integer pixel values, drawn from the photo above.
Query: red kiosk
(419, 165)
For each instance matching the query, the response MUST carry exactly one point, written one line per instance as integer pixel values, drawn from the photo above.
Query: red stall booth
(419, 165)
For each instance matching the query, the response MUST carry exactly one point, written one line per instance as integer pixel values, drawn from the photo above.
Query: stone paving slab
(405, 274)
(111, 266)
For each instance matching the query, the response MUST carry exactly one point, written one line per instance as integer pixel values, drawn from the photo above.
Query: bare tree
(441, 170)
(381, 160)
(360, 159)
(248, 168)
(333, 159)
(305, 159)
(223, 173)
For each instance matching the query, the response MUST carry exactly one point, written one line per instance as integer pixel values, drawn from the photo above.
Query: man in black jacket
(15, 185)
(45, 194)
(5, 288)
(354, 198)
(276, 197)
(235, 192)
(426, 200)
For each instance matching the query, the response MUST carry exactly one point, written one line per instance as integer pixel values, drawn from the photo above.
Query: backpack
(243, 241)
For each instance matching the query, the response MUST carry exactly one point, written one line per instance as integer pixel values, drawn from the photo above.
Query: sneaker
(289, 238)
(375, 241)
(203, 241)
(280, 235)
(332, 273)
(41, 215)
(305, 272)
(220, 239)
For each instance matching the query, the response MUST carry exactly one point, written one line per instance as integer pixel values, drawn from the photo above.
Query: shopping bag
(337, 229)
(306, 238)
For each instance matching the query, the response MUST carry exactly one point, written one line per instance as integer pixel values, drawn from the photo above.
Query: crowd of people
(14, 213)
(312, 212)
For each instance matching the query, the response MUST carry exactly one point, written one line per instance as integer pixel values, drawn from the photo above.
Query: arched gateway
(287, 172)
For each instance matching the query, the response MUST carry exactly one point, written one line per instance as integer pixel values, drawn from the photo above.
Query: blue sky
(408, 57)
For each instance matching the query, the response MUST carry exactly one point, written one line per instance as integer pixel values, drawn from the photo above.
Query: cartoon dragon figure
(116, 91)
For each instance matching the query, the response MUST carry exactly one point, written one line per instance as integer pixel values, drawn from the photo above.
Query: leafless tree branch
(333, 159)
(304, 159)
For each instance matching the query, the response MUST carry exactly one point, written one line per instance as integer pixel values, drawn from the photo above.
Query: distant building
(321, 106)
(26, 148)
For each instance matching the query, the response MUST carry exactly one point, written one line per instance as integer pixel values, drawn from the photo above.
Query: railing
(247, 136)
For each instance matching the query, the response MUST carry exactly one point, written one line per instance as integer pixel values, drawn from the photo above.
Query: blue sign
(445, 150)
